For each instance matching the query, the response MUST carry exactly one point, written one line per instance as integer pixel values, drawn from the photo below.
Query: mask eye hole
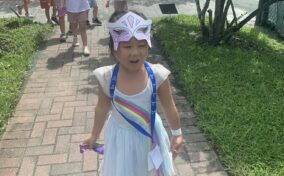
(143, 29)
(118, 32)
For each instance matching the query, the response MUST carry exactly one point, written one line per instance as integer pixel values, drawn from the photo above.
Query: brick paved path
(56, 109)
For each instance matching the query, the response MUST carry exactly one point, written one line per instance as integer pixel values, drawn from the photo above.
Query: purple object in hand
(99, 148)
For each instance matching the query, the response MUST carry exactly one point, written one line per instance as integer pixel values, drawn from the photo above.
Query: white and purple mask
(128, 26)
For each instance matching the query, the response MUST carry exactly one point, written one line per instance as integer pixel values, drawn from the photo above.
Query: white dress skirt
(126, 149)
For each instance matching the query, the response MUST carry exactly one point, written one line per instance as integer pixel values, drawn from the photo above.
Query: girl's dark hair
(114, 17)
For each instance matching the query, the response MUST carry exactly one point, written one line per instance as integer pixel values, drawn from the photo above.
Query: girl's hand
(107, 4)
(90, 141)
(176, 143)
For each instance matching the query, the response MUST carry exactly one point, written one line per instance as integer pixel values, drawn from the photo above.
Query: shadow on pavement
(62, 58)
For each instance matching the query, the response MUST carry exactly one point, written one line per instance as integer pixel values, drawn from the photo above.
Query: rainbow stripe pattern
(138, 114)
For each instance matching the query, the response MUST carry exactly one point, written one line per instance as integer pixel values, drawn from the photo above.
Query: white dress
(126, 149)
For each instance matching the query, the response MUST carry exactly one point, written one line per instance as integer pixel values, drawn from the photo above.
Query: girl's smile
(134, 61)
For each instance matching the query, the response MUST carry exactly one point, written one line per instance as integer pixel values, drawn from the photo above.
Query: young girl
(77, 15)
(136, 143)
(119, 5)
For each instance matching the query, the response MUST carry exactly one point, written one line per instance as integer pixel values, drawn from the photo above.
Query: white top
(103, 74)
(140, 100)
(126, 149)
(77, 6)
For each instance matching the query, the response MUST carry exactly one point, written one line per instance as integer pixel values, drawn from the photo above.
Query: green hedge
(237, 90)
(19, 38)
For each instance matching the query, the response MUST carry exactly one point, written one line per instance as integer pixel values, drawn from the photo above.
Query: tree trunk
(220, 19)
(262, 17)
(217, 22)
(201, 15)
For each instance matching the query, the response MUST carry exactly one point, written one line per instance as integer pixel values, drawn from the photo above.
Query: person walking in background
(119, 5)
(61, 11)
(77, 11)
(46, 4)
(135, 140)
(25, 6)
(95, 20)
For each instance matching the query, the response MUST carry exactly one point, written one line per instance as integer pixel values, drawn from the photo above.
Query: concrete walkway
(56, 109)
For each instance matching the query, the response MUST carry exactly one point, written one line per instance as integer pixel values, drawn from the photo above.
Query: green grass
(19, 38)
(237, 90)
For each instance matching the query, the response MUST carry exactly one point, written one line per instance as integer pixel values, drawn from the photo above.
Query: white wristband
(176, 132)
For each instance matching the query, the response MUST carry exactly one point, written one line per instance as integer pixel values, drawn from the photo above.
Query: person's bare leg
(95, 12)
(74, 27)
(53, 16)
(62, 37)
(54, 11)
(47, 14)
(83, 32)
(26, 7)
(62, 24)
(95, 16)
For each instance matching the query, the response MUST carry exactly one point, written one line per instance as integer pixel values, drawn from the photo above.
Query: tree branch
(210, 28)
(205, 7)
(227, 8)
(201, 16)
(198, 9)
(234, 13)
(225, 12)
(234, 20)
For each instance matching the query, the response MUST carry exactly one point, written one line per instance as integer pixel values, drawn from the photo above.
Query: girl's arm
(101, 111)
(167, 102)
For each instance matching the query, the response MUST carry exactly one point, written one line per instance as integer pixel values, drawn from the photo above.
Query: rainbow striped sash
(134, 112)
(146, 123)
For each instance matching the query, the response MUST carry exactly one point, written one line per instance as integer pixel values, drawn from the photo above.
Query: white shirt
(76, 6)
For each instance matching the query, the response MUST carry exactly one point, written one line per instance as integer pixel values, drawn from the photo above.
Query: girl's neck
(131, 82)
(131, 74)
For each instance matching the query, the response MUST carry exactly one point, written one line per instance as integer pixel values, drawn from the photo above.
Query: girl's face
(132, 54)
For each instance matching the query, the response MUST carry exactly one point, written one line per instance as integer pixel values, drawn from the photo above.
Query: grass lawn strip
(19, 39)
(237, 90)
